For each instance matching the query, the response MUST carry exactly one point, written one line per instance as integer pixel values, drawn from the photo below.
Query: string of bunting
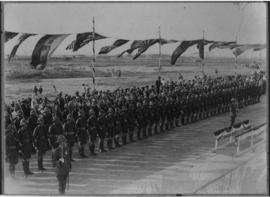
(49, 43)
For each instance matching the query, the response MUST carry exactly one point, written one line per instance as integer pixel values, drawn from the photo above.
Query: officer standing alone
(63, 164)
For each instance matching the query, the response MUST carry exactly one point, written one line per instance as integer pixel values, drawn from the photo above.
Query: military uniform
(110, 128)
(40, 142)
(63, 164)
(102, 129)
(25, 146)
(12, 146)
(81, 133)
(70, 134)
(92, 131)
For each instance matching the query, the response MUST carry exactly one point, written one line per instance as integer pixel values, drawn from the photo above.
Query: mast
(202, 63)
(159, 47)
(94, 56)
(235, 58)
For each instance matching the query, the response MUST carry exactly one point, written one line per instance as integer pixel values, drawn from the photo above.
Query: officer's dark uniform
(139, 120)
(63, 164)
(70, 134)
(55, 130)
(40, 142)
(102, 129)
(12, 146)
(233, 112)
(131, 121)
(110, 128)
(81, 133)
(92, 131)
(25, 146)
(124, 124)
(118, 127)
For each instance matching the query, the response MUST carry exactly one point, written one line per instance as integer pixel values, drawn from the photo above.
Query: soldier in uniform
(12, 143)
(70, 134)
(110, 128)
(63, 164)
(25, 146)
(131, 121)
(118, 127)
(234, 109)
(55, 130)
(139, 120)
(102, 130)
(92, 130)
(81, 133)
(40, 142)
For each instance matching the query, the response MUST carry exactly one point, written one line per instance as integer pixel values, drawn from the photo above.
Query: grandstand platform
(178, 161)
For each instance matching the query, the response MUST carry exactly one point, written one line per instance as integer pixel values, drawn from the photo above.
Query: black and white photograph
(134, 98)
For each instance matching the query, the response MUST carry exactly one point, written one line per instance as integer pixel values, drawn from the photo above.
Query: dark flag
(22, 38)
(117, 43)
(71, 45)
(9, 35)
(222, 45)
(144, 45)
(182, 48)
(84, 38)
(134, 45)
(259, 47)
(242, 48)
(45, 48)
(165, 41)
(200, 46)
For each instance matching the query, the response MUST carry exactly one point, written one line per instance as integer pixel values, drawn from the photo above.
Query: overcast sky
(220, 21)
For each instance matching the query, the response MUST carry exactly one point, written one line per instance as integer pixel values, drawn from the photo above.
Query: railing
(249, 133)
(230, 132)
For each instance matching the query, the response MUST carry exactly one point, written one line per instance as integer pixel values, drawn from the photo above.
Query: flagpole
(235, 59)
(159, 47)
(94, 56)
(202, 65)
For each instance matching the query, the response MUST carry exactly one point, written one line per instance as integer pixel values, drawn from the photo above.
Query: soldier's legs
(110, 138)
(62, 181)
(101, 144)
(12, 170)
(81, 145)
(156, 127)
(124, 136)
(150, 125)
(40, 161)
(144, 131)
(139, 129)
(116, 140)
(70, 152)
(131, 131)
(93, 138)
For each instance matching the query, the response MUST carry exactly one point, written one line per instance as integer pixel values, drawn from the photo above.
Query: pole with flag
(94, 57)
(235, 57)
(202, 63)
(159, 48)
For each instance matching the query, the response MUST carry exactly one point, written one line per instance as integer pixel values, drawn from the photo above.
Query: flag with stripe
(259, 47)
(222, 45)
(144, 45)
(45, 48)
(165, 41)
(84, 38)
(117, 43)
(20, 40)
(71, 45)
(9, 35)
(182, 48)
(134, 45)
(242, 48)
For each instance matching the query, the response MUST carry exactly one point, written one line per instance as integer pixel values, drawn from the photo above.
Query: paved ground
(178, 161)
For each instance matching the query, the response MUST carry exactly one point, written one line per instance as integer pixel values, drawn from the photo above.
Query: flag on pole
(45, 48)
(165, 41)
(182, 48)
(259, 47)
(9, 35)
(71, 45)
(242, 48)
(83, 39)
(20, 40)
(222, 45)
(117, 43)
(144, 45)
(200, 46)
(134, 45)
